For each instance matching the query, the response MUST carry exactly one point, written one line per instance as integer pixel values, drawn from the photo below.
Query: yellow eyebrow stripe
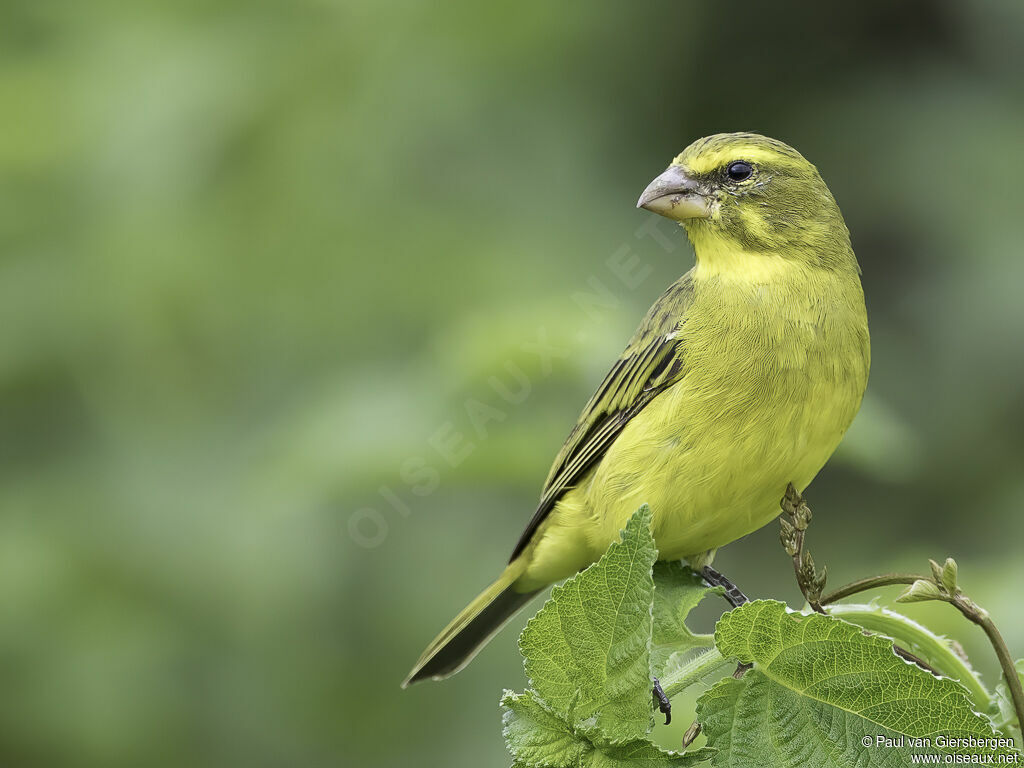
(708, 161)
(715, 152)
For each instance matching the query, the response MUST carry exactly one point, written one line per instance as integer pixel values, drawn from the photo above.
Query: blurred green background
(258, 260)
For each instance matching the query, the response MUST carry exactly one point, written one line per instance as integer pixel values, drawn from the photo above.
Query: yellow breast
(775, 368)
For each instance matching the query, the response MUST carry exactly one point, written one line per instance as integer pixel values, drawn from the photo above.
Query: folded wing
(650, 364)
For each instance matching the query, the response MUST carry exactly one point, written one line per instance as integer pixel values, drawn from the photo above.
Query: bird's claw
(664, 705)
(732, 594)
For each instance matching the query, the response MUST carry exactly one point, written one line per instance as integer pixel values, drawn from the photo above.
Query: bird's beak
(675, 195)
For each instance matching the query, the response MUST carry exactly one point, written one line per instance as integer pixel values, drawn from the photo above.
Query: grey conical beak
(675, 195)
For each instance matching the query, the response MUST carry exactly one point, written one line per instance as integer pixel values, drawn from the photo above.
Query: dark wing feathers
(650, 364)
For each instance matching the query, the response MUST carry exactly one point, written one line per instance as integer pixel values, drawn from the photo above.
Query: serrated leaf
(587, 652)
(535, 736)
(818, 688)
(677, 591)
(644, 754)
(940, 652)
(539, 738)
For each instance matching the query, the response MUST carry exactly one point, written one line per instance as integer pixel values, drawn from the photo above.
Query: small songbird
(741, 379)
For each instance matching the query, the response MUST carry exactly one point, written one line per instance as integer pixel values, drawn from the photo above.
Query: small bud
(920, 591)
(691, 734)
(819, 580)
(790, 500)
(936, 571)
(949, 575)
(807, 573)
(788, 537)
(806, 511)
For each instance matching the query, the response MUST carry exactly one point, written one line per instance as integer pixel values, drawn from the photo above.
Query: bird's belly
(714, 462)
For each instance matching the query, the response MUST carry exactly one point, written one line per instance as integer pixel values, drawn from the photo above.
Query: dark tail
(468, 632)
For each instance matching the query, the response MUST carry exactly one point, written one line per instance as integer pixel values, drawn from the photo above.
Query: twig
(978, 615)
(942, 586)
(811, 582)
(903, 653)
(863, 585)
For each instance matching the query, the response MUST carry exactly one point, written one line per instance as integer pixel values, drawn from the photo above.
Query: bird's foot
(733, 595)
(741, 670)
(664, 705)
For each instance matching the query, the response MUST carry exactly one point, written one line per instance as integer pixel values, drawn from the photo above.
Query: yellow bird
(741, 379)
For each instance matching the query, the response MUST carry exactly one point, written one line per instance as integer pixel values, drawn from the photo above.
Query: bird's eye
(740, 170)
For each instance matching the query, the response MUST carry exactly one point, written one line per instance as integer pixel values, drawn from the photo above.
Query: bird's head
(745, 191)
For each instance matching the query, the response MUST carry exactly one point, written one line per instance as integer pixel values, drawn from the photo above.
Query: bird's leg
(732, 594)
(664, 705)
(735, 599)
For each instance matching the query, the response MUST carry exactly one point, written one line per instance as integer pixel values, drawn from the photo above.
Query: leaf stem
(934, 648)
(697, 668)
(971, 611)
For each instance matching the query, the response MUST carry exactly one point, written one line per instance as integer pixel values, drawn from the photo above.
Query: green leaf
(938, 651)
(949, 575)
(1002, 709)
(818, 688)
(539, 738)
(677, 591)
(587, 652)
(919, 592)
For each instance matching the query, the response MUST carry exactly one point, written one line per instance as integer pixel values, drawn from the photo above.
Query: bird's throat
(724, 260)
